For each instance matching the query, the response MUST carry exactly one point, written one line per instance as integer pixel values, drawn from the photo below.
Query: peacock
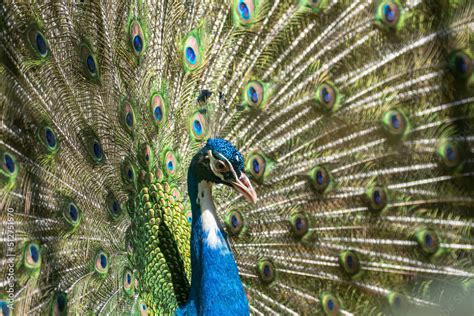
(236, 157)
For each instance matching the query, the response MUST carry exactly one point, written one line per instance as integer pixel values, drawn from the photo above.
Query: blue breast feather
(216, 288)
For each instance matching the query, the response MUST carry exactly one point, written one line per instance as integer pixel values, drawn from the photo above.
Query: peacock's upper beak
(244, 186)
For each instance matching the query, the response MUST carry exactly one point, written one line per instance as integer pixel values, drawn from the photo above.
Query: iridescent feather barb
(354, 121)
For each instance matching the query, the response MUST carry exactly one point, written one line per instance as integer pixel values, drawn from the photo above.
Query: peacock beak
(244, 186)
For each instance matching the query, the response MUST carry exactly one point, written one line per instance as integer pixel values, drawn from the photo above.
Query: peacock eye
(191, 53)
(158, 109)
(388, 13)
(146, 156)
(328, 97)
(234, 222)
(94, 147)
(89, 62)
(245, 11)
(8, 164)
(97, 151)
(299, 224)
(349, 262)
(128, 117)
(450, 153)
(142, 308)
(461, 64)
(101, 263)
(377, 197)
(137, 38)
(198, 126)
(397, 302)
(330, 304)
(428, 240)
(113, 206)
(254, 94)
(128, 172)
(257, 166)
(395, 123)
(176, 193)
(171, 163)
(128, 281)
(38, 42)
(220, 166)
(71, 214)
(32, 259)
(320, 178)
(266, 271)
(49, 139)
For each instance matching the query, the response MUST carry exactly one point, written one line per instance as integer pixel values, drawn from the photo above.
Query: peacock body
(351, 119)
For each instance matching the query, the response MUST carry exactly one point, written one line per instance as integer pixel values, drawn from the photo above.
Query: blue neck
(216, 288)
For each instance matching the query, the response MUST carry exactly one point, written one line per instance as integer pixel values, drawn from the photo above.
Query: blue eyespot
(330, 304)
(137, 37)
(171, 163)
(103, 261)
(34, 253)
(299, 223)
(130, 174)
(9, 163)
(319, 177)
(450, 153)
(73, 213)
(256, 166)
(41, 44)
(91, 64)
(244, 11)
(327, 97)
(377, 197)
(234, 220)
(137, 43)
(190, 55)
(253, 95)
(197, 127)
(350, 261)
(98, 150)
(158, 113)
(388, 13)
(266, 270)
(395, 121)
(115, 207)
(50, 137)
(129, 119)
(428, 240)
(461, 64)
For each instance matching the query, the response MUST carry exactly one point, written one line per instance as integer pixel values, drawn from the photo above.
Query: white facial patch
(209, 224)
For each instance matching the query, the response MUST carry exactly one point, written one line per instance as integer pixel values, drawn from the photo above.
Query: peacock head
(220, 162)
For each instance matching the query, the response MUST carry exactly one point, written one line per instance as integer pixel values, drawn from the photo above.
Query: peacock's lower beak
(244, 186)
